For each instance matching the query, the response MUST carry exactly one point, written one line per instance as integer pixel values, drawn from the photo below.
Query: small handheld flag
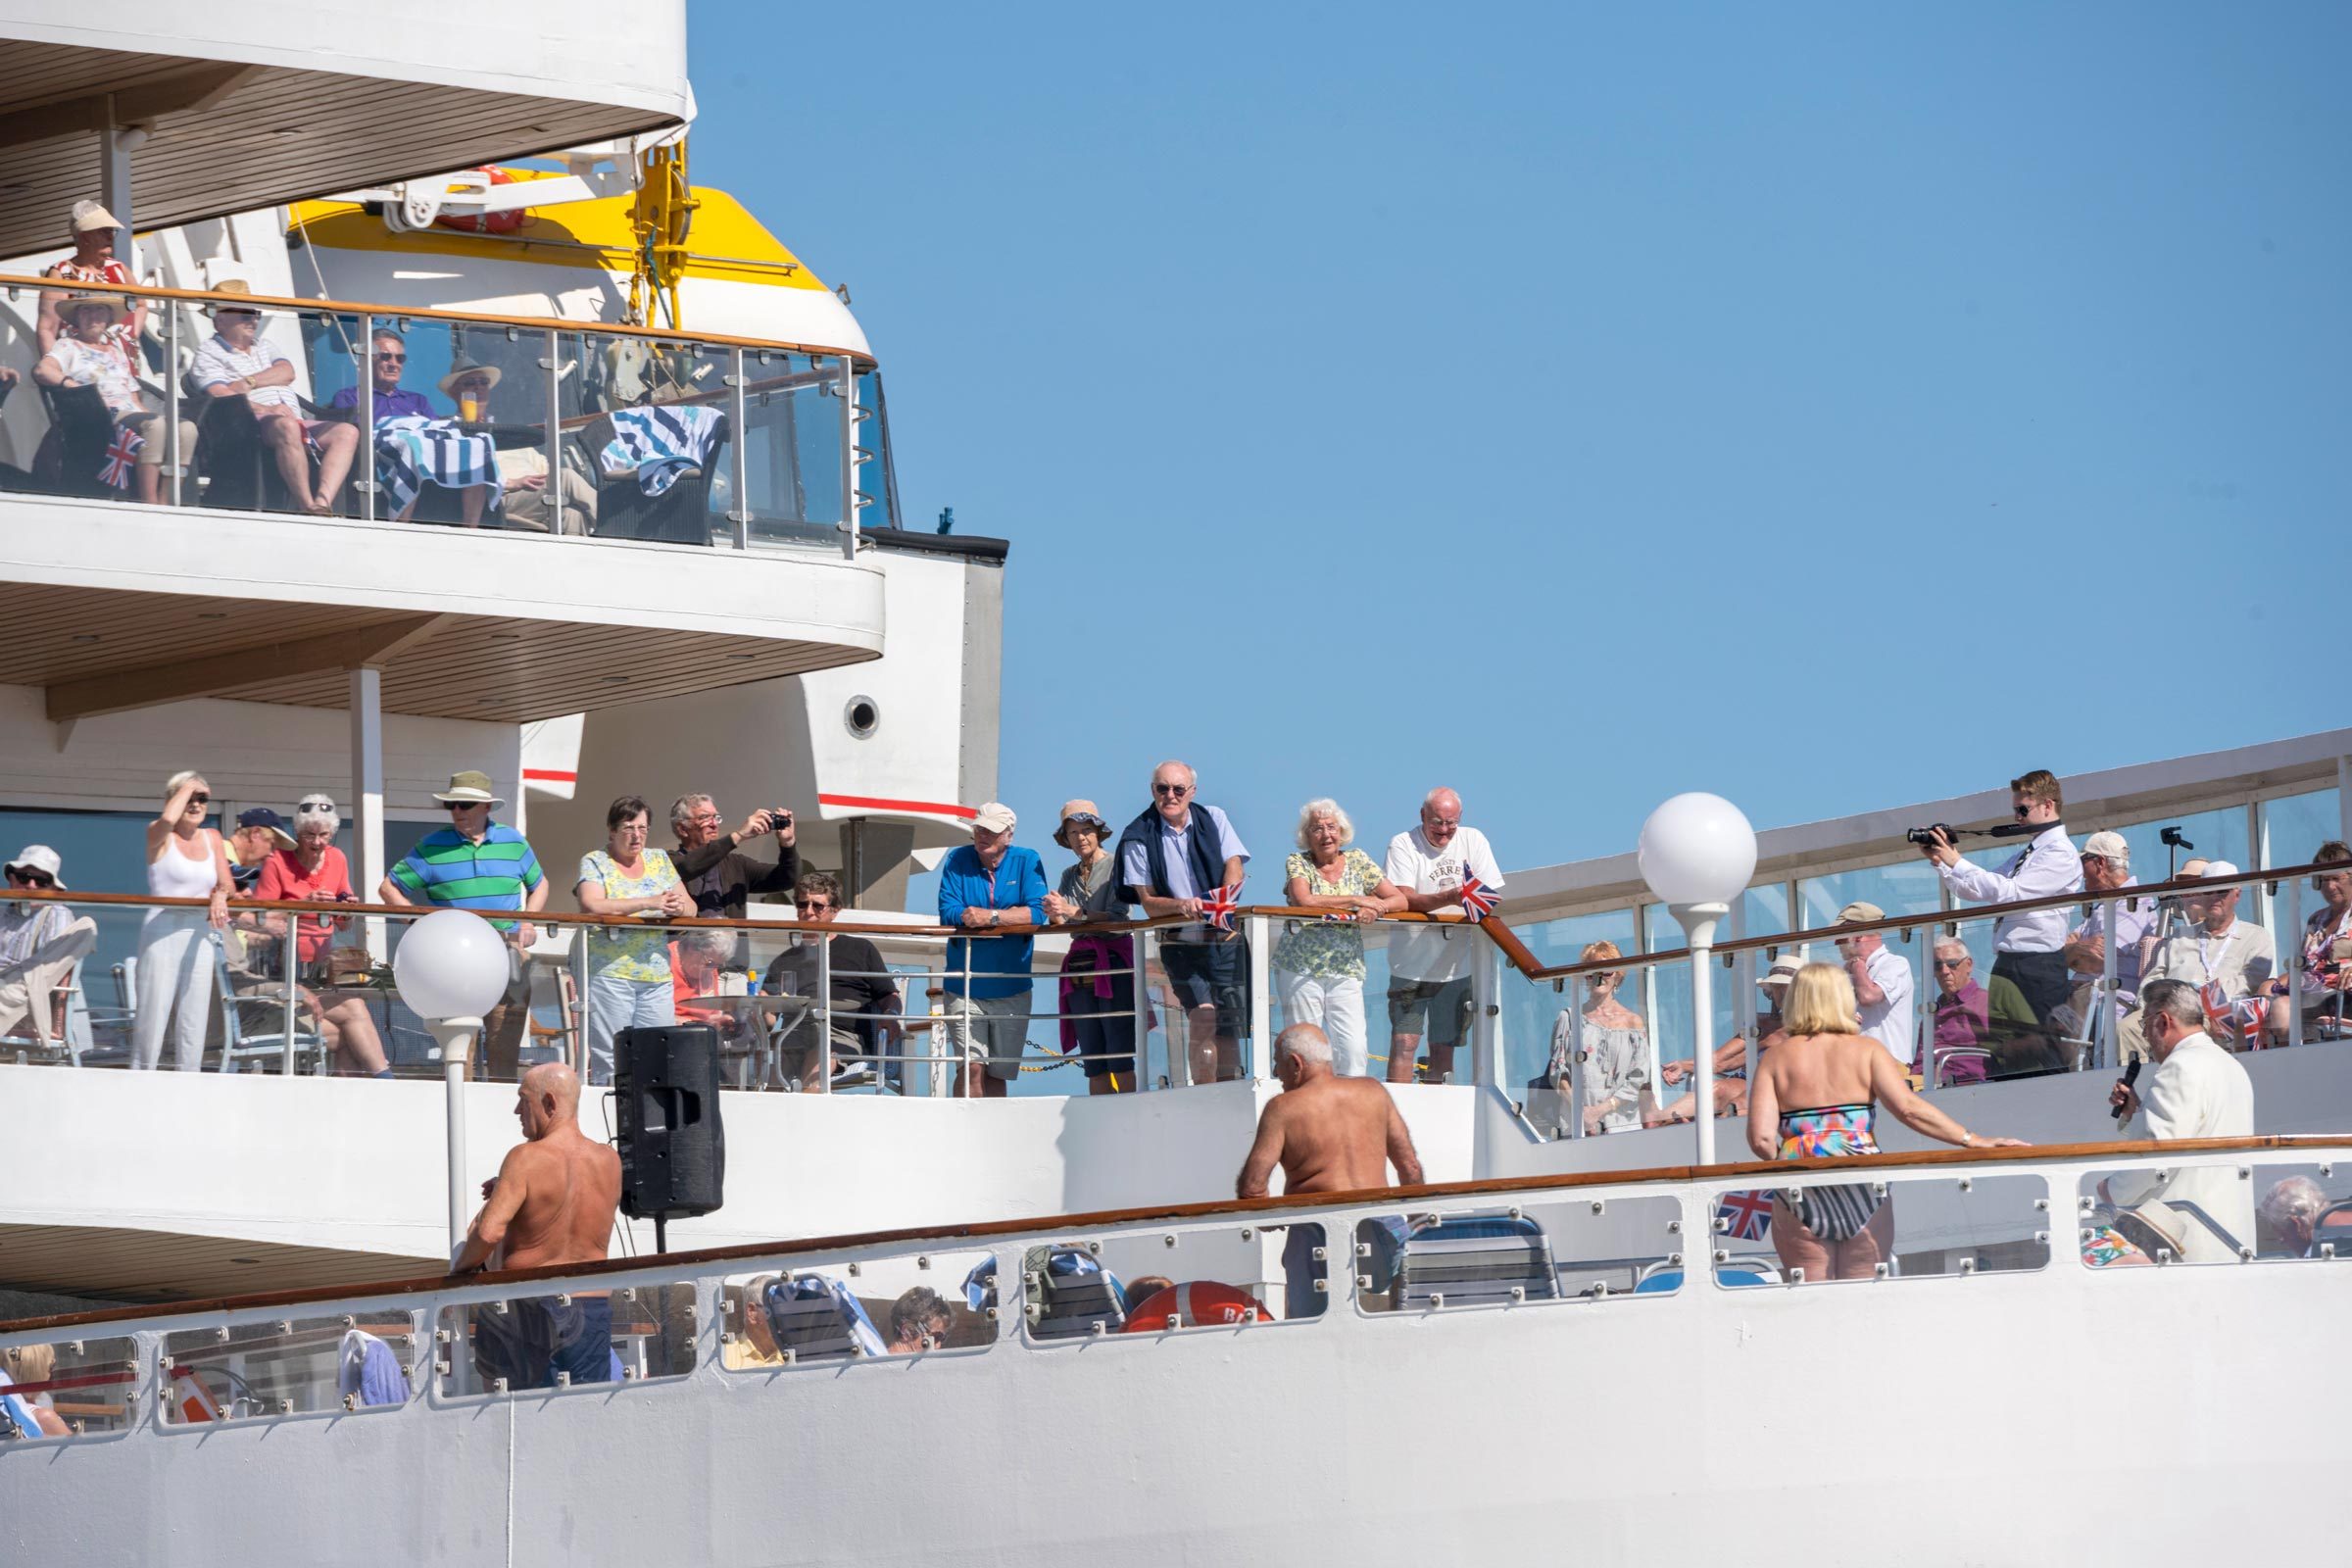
(121, 456)
(1478, 900)
(1218, 907)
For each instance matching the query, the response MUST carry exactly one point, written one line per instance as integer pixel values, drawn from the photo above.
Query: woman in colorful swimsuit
(1814, 1096)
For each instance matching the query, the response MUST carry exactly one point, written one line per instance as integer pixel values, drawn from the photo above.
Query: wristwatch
(996, 917)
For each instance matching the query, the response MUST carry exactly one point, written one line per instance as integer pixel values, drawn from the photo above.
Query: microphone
(2130, 1077)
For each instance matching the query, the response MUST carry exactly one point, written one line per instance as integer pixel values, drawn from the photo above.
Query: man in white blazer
(2197, 1090)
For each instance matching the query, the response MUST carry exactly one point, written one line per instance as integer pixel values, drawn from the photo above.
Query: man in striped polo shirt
(476, 864)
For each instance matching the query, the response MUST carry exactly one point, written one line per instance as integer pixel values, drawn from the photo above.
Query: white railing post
(550, 497)
(1260, 1045)
(2290, 944)
(825, 1014)
(287, 967)
(366, 416)
(740, 513)
(2110, 1042)
(173, 454)
(1142, 1021)
(1699, 927)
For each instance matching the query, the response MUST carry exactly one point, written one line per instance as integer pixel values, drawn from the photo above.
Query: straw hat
(465, 367)
(232, 285)
(469, 788)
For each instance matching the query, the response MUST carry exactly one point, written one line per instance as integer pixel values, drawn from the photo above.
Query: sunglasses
(808, 905)
(391, 358)
(32, 879)
(1949, 963)
(1170, 789)
(199, 798)
(465, 806)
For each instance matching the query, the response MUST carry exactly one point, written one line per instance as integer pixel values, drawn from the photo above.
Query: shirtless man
(1330, 1134)
(551, 1201)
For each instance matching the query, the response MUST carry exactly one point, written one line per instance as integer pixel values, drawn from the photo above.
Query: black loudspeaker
(673, 1150)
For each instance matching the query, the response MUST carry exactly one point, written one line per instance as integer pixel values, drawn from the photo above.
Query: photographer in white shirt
(2027, 947)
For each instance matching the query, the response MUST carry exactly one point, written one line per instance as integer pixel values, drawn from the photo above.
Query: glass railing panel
(1819, 1229)
(2197, 1209)
(102, 427)
(68, 1389)
(792, 438)
(653, 422)
(876, 1308)
(268, 438)
(1532, 1013)
(877, 496)
(289, 1366)
(565, 1339)
(1548, 1250)
(1977, 1021)
(1213, 1277)
(455, 407)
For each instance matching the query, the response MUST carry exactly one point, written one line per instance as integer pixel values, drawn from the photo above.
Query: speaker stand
(660, 1234)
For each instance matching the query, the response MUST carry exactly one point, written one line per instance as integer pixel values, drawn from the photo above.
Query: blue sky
(1830, 408)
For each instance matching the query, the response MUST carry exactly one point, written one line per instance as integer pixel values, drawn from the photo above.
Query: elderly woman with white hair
(315, 871)
(180, 949)
(1319, 969)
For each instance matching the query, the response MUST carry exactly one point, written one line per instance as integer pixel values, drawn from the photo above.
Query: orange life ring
(1205, 1303)
(488, 222)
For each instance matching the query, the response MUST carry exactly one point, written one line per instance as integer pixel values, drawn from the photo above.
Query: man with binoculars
(2027, 947)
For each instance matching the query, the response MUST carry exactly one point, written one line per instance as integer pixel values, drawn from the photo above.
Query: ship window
(1555, 1249)
(2214, 1209)
(1931, 1225)
(1222, 1278)
(288, 1367)
(68, 1389)
(873, 1309)
(556, 1339)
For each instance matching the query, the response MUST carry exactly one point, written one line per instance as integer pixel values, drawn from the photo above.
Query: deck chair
(680, 515)
(815, 1318)
(236, 467)
(71, 453)
(1071, 1295)
(1473, 1259)
(253, 1025)
(50, 987)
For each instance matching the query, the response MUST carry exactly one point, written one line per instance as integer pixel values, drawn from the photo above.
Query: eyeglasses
(32, 879)
(1170, 789)
(1950, 964)
(391, 358)
(811, 905)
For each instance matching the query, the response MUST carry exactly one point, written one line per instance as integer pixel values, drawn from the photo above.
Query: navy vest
(1200, 845)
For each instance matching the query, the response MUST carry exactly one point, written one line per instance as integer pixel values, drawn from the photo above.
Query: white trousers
(616, 1004)
(1335, 1005)
(178, 961)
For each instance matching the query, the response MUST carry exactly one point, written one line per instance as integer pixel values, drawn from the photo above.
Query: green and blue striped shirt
(448, 870)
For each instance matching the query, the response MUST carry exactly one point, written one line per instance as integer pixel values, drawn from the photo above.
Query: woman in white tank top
(180, 949)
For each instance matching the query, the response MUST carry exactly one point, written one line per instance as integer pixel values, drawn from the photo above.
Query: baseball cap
(996, 817)
(2107, 845)
(263, 816)
(1859, 914)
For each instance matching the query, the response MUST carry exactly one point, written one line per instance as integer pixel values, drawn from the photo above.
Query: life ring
(1204, 1304)
(488, 222)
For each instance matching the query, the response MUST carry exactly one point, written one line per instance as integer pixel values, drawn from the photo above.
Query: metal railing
(541, 424)
(140, 1373)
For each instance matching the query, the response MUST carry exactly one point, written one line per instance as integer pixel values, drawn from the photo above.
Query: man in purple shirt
(392, 400)
(1963, 1013)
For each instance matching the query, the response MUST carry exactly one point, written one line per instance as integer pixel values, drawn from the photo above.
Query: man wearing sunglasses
(2027, 949)
(392, 400)
(32, 935)
(476, 863)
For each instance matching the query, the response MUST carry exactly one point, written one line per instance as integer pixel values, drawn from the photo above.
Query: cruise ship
(226, 1329)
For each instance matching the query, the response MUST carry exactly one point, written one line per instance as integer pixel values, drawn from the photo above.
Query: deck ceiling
(104, 1263)
(229, 138)
(104, 650)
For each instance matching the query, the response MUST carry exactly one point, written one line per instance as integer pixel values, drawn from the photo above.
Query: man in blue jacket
(994, 887)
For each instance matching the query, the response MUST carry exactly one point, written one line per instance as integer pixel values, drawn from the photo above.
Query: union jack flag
(1746, 1215)
(2245, 1018)
(1478, 898)
(1218, 907)
(121, 456)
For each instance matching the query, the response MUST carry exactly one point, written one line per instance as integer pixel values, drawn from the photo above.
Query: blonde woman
(1611, 1043)
(1815, 1096)
(180, 949)
(1319, 967)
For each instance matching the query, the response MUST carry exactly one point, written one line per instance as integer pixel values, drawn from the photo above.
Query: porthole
(863, 715)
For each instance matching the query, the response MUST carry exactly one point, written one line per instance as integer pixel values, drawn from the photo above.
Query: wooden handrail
(422, 313)
(1973, 912)
(934, 1236)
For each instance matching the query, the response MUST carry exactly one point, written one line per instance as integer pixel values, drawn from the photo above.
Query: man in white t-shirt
(1428, 967)
(236, 361)
(1882, 983)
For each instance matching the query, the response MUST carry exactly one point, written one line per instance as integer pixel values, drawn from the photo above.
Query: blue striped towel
(412, 452)
(658, 442)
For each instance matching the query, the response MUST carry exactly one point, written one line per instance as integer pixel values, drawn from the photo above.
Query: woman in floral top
(629, 984)
(1319, 969)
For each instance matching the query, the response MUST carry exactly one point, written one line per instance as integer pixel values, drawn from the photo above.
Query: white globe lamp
(1697, 852)
(451, 967)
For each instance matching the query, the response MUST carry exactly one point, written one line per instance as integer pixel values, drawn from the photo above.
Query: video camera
(1924, 837)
